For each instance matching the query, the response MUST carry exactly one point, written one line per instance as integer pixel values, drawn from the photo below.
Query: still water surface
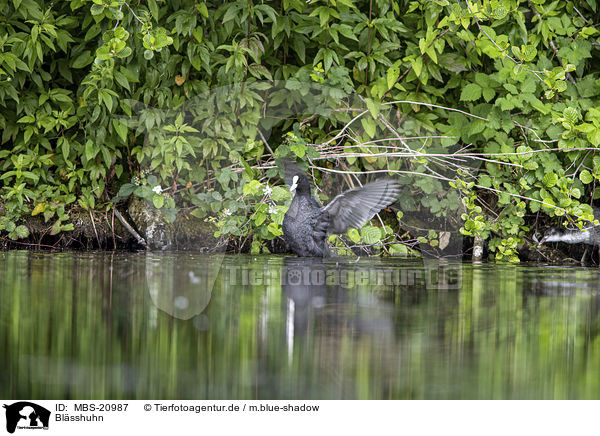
(190, 326)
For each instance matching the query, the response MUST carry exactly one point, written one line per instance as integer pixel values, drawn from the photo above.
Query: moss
(151, 225)
(195, 234)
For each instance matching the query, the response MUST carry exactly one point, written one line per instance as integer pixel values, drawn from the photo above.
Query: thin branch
(118, 21)
(131, 10)
(265, 142)
(346, 127)
(94, 226)
(434, 105)
(582, 17)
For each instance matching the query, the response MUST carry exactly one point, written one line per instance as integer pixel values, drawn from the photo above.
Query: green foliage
(266, 218)
(150, 190)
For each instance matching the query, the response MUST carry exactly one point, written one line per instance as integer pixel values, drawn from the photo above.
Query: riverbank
(128, 226)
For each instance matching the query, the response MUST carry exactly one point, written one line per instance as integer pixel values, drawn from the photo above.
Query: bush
(102, 97)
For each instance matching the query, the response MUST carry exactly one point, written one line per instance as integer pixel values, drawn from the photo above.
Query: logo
(26, 415)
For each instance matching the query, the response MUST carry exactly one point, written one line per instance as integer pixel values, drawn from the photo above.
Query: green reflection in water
(178, 325)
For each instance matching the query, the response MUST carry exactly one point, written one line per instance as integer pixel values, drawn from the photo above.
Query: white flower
(268, 190)
(273, 209)
(157, 189)
(227, 212)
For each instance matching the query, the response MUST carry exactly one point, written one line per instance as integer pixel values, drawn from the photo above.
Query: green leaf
(158, 201)
(231, 12)
(373, 106)
(398, 250)
(369, 125)
(280, 194)
(550, 179)
(528, 53)
(516, 51)
(201, 7)
(122, 80)
(96, 10)
(259, 218)
(251, 188)
(586, 177)
(130, 75)
(90, 151)
(126, 190)
(82, 60)
(48, 215)
(417, 65)
(485, 181)
(26, 119)
(594, 136)
(108, 100)
(571, 115)
(55, 230)
(153, 10)
(120, 128)
(275, 229)
(121, 33)
(392, 74)
(21, 231)
(298, 149)
(198, 34)
(371, 234)
(125, 52)
(354, 235)
(39, 208)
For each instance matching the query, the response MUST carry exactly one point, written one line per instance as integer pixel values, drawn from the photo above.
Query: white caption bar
(23, 417)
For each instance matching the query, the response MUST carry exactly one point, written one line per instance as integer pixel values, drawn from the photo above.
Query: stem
(368, 43)
(131, 10)
(95, 231)
(131, 230)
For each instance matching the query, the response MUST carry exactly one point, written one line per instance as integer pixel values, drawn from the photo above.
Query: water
(189, 326)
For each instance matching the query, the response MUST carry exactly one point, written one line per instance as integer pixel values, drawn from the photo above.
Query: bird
(306, 224)
(588, 236)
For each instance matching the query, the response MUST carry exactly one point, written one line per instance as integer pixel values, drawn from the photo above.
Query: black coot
(307, 224)
(589, 236)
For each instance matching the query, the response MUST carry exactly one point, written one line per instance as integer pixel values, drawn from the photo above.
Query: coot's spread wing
(355, 207)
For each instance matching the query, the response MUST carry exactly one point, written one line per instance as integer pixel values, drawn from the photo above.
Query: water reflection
(180, 325)
(182, 285)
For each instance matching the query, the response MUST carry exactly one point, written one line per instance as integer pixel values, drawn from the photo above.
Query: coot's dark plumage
(307, 223)
(589, 235)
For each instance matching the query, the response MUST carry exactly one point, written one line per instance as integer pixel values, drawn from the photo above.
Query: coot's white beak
(294, 185)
